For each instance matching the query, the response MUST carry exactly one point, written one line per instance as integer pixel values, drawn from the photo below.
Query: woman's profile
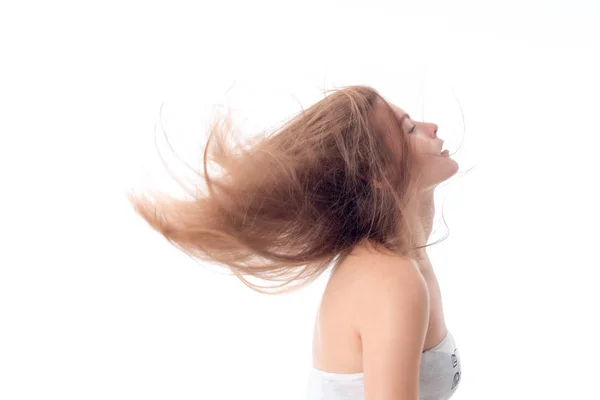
(346, 184)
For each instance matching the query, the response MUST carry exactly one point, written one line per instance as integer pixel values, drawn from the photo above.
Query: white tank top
(438, 378)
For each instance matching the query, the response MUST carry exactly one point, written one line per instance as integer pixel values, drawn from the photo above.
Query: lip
(441, 145)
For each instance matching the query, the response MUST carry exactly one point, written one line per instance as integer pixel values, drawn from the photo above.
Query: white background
(95, 305)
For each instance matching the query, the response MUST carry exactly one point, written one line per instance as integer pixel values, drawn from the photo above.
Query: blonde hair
(290, 204)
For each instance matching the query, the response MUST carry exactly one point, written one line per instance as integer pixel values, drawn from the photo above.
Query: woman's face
(432, 163)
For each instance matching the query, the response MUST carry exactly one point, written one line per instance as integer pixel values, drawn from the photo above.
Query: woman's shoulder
(374, 276)
(375, 264)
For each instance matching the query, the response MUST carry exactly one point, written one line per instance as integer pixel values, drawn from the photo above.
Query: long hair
(290, 204)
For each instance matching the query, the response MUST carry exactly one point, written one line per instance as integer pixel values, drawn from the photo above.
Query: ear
(377, 184)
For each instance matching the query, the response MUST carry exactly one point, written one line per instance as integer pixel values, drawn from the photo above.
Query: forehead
(399, 111)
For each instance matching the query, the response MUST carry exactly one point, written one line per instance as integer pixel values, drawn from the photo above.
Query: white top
(438, 378)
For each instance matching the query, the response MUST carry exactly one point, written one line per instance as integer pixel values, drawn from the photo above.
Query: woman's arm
(392, 323)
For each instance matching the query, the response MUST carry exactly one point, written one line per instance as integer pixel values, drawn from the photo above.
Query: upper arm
(393, 322)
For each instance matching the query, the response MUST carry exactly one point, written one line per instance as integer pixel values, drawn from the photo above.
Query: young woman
(346, 184)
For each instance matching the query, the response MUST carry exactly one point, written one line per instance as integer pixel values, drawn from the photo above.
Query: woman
(347, 184)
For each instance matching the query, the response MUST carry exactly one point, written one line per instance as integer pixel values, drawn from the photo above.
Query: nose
(433, 130)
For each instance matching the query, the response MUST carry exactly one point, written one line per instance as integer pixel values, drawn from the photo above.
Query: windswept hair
(290, 204)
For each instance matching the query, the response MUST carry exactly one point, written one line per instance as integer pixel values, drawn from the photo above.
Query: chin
(452, 168)
(441, 173)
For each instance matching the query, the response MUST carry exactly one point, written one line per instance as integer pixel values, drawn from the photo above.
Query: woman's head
(432, 163)
(286, 207)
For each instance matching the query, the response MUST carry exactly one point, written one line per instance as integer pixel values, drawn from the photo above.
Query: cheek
(420, 150)
(419, 144)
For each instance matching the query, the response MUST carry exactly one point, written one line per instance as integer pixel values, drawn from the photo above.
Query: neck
(425, 212)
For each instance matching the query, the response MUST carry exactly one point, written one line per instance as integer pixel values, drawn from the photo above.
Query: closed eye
(412, 129)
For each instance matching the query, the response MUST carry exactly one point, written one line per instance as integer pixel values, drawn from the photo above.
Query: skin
(434, 168)
(378, 320)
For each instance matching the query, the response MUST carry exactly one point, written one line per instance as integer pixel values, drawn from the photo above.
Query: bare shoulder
(392, 319)
(389, 279)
